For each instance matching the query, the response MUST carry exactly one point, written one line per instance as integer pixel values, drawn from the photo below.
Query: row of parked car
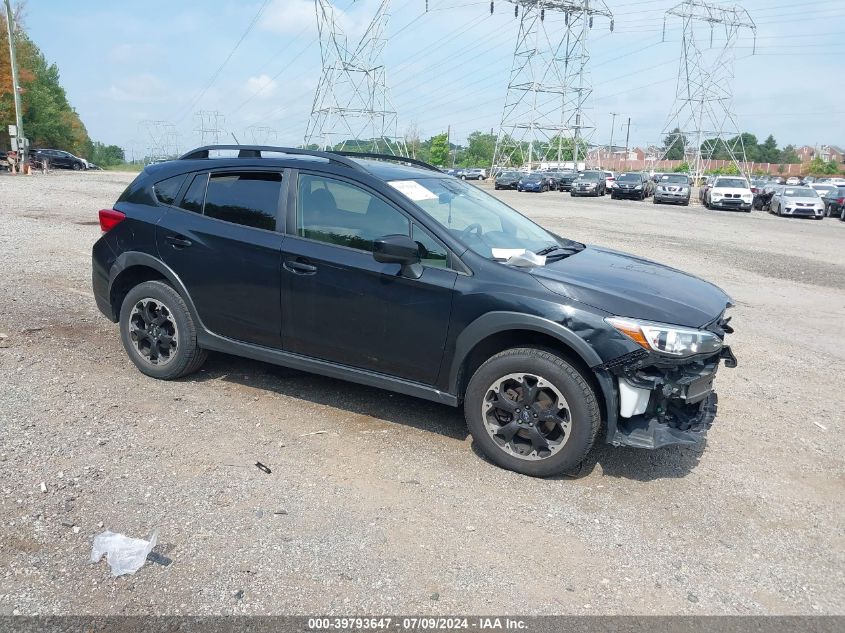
(802, 198)
(662, 188)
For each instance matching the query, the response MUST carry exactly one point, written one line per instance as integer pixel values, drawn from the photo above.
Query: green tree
(674, 145)
(479, 150)
(768, 151)
(683, 168)
(789, 155)
(439, 152)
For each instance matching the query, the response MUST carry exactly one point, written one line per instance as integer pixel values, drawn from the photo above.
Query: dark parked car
(507, 180)
(535, 181)
(59, 159)
(631, 185)
(565, 180)
(673, 188)
(834, 203)
(385, 272)
(589, 183)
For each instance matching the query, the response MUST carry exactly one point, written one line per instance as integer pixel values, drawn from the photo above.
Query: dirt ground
(378, 503)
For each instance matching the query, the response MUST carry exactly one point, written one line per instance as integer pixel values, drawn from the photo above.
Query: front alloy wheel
(526, 416)
(531, 411)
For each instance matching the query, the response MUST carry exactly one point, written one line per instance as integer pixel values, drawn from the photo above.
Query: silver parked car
(674, 188)
(797, 202)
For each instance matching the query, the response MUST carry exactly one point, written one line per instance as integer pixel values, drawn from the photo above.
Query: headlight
(667, 339)
(638, 187)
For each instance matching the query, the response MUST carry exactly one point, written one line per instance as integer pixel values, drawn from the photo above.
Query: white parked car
(729, 192)
(793, 181)
(609, 179)
(822, 188)
(797, 202)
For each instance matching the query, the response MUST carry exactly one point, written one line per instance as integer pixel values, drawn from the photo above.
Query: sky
(258, 64)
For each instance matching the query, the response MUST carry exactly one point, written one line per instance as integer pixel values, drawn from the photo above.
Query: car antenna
(237, 142)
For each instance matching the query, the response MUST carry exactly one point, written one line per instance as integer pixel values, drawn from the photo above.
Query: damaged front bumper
(665, 401)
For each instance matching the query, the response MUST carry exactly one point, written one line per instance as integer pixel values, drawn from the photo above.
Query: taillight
(109, 218)
(840, 201)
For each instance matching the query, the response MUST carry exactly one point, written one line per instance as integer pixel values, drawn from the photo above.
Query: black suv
(386, 272)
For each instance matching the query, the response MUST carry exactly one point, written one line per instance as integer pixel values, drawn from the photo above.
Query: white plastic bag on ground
(125, 555)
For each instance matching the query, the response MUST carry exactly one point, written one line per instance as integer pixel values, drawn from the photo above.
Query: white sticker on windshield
(414, 190)
(507, 253)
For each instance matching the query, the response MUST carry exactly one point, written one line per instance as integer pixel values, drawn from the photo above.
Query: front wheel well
(128, 279)
(501, 341)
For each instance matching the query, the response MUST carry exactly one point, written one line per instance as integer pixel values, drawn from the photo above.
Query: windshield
(800, 192)
(533, 177)
(736, 183)
(591, 175)
(486, 225)
(675, 179)
(509, 174)
(629, 178)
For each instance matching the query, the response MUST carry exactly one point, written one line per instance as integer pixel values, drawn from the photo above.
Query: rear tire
(531, 411)
(158, 332)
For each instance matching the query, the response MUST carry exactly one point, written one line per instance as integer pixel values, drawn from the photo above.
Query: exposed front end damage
(664, 401)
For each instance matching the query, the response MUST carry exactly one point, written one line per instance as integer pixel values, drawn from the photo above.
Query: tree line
(49, 120)
(755, 151)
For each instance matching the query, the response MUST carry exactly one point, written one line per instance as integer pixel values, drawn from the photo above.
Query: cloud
(294, 16)
(289, 16)
(261, 87)
(143, 88)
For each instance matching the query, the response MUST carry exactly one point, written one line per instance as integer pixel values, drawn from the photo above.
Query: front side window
(340, 213)
(431, 252)
(249, 199)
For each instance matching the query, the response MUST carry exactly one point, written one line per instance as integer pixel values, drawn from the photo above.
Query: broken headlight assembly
(671, 340)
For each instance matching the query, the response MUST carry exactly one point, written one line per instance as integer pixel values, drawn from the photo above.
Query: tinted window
(195, 196)
(431, 253)
(248, 199)
(339, 213)
(167, 190)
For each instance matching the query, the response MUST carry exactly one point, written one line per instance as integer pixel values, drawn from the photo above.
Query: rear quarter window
(167, 190)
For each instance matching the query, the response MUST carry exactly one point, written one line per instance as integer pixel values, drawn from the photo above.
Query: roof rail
(255, 151)
(390, 157)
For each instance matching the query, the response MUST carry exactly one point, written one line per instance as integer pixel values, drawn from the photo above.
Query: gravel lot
(378, 503)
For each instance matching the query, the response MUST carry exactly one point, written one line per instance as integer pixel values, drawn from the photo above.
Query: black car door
(341, 305)
(223, 243)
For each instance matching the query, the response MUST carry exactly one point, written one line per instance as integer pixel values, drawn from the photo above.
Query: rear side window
(250, 199)
(167, 190)
(195, 195)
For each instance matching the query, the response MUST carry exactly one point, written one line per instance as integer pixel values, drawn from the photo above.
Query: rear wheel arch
(133, 268)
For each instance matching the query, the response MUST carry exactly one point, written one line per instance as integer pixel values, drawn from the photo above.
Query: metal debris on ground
(263, 468)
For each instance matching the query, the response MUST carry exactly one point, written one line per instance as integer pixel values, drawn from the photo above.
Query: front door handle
(299, 267)
(178, 241)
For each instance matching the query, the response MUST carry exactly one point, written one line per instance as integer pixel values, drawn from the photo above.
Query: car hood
(629, 286)
(723, 190)
(792, 200)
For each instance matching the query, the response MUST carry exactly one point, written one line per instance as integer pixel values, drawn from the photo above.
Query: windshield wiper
(564, 250)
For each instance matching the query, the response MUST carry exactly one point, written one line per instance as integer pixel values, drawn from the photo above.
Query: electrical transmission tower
(261, 135)
(702, 121)
(161, 138)
(209, 126)
(544, 118)
(352, 106)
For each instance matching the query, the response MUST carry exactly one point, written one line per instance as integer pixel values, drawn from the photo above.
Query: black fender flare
(136, 258)
(496, 322)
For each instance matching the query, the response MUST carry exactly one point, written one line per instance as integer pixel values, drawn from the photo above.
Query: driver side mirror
(399, 249)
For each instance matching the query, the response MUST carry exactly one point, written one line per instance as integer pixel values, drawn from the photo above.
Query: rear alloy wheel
(158, 332)
(532, 412)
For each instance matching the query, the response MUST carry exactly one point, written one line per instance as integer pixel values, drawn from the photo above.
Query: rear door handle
(299, 267)
(178, 241)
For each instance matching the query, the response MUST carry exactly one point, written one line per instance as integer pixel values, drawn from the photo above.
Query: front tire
(532, 412)
(158, 332)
